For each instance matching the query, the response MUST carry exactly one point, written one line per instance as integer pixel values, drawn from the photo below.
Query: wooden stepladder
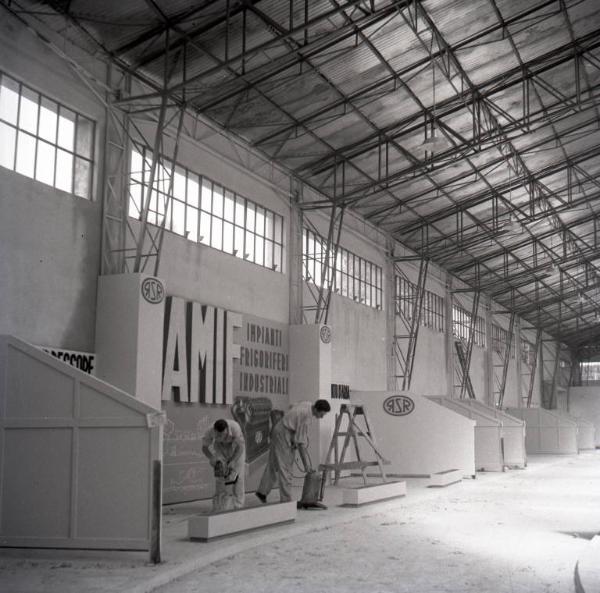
(347, 425)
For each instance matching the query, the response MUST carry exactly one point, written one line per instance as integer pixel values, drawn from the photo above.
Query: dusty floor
(520, 532)
(516, 532)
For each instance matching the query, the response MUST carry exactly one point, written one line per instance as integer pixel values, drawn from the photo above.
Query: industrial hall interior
(300, 296)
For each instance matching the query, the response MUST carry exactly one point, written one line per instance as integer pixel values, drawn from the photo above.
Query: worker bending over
(225, 448)
(290, 433)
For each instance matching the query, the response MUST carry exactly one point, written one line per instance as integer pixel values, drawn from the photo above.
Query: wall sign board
(218, 364)
(84, 361)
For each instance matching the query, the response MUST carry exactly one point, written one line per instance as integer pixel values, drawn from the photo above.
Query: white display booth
(418, 436)
(513, 434)
(488, 433)
(585, 431)
(547, 431)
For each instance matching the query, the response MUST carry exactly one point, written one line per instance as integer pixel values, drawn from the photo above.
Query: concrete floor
(518, 531)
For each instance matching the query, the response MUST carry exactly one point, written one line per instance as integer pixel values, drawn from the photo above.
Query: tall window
(206, 212)
(527, 353)
(45, 140)
(432, 314)
(349, 275)
(499, 338)
(590, 373)
(461, 319)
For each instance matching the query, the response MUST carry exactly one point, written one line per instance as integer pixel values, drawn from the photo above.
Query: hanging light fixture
(434, 142)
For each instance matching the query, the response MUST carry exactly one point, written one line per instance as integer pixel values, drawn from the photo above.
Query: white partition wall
(310, 379)
(79, 459)
(418, 436)
(584, 402)
(488, 434)
(547, 431)
(129, 334)
(513, 434)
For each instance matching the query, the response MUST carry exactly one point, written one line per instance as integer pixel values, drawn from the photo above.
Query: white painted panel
(488, 432)
(113, 487)
(36, 483)
(547, 431)
(429, 439)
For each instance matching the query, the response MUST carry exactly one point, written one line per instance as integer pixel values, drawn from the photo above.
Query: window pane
(191, 224)
(48, 120)
(9, 100)
(44, 167)
(238, 242)
(269, 226)
(85, 134)
(204, 228)
(249, 252)
(193, 187)
(268, 254)
(259, 256)
(260, 221)
(66, 129)
(28, 114)
(178, 217)
(229, 206)
(206, 195)
(217, 205)
(25, 154)
(7, 146)
(277, 258)
(228, 237)
(239, 211)
(250, 216)
(179, 184)
(217, 233)
(278, 229)
(83, 171)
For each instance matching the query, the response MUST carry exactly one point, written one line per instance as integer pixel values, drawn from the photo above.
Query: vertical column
(310, 379)
(129, 334)
(449, 339)
(295, 254)
(489, 355)
(390, 303)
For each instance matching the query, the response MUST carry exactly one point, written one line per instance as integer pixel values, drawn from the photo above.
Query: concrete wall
(49, 258)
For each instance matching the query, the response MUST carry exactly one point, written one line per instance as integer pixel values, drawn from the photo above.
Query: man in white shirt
(225, 447)
(289, 434)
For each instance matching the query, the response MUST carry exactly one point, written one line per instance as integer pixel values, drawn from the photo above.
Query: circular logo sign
(398, 405)
(153, 290)
(325, 334)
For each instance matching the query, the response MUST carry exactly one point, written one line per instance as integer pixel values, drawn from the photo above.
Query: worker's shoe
(261, 497)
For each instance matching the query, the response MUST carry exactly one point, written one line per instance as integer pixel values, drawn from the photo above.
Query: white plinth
(371, 493)
(205, 527)
(445, 478)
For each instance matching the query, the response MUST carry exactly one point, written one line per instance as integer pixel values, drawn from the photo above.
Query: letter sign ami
(398, 405)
